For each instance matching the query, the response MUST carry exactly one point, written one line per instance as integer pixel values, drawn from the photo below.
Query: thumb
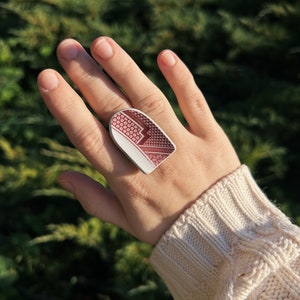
(95, 199)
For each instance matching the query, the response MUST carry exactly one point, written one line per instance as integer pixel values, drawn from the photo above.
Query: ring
(141, 139)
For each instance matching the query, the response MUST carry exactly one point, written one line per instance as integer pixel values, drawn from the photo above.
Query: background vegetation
(245, 56)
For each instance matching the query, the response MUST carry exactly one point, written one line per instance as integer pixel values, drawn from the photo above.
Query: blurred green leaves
(245, 57)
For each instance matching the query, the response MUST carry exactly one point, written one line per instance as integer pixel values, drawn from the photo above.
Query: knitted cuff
(225, 244)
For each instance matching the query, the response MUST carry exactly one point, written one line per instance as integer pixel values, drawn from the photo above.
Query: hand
(144, 205)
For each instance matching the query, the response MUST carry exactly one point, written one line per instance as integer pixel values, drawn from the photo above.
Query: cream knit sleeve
(233, 243)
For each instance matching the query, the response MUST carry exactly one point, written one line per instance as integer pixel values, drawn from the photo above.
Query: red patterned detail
(141, 131)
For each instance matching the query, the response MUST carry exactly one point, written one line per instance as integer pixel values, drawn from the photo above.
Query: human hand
(144, 205)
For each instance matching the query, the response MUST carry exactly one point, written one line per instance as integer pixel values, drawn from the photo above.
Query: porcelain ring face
(141, 139)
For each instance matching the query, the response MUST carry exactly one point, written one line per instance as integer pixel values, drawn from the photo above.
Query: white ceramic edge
(135, 154)
(146, 166)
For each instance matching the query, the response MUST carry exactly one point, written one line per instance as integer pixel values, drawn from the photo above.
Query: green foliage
(245, 56)
(8, 276)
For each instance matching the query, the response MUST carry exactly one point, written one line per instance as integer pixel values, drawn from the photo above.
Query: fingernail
(104, 49)
(68, 50)
(168, 58)
(48, 81)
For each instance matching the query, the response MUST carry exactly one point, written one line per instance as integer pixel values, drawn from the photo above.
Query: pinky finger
(191, 101)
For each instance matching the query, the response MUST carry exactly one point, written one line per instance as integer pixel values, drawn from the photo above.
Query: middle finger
(140, 90)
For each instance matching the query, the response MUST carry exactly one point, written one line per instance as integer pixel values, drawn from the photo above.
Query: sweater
(232, 243)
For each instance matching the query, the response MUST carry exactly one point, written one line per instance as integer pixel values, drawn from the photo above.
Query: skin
(144, 205)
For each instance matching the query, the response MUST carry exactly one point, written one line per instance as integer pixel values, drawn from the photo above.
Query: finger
(101, 93)
(94, 198)
(82, 128)
(143, 94)
(191, 101)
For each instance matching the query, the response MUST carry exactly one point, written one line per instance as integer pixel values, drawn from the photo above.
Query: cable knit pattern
(233, 243)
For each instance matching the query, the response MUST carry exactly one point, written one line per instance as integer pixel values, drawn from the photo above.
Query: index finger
(85, 132)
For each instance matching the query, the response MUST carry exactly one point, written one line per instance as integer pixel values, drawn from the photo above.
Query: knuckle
(185, 80)
(123, 70)
(89, 140)
(153, 104)
(111, 105)
(195, 98)
(196, 101)
(86, 77)
(167, 171)
(135, 188)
